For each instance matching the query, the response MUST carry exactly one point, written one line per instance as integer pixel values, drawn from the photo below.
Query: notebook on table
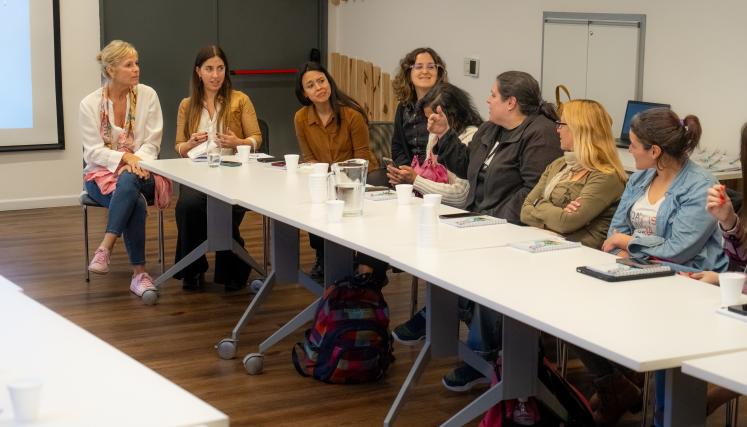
(617, 272)
(544, 245)
(472, 220)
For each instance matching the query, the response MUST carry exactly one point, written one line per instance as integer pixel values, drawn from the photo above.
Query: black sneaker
(412, 331)
(194, 283)
(463, 378)
(317, 271)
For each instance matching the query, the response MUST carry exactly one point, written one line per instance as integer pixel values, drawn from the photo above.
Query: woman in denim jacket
(661, 215)
(678, 231)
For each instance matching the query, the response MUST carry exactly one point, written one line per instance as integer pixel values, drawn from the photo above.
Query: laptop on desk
(633, 108)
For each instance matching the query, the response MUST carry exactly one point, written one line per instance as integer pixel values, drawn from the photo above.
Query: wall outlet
(471, 67)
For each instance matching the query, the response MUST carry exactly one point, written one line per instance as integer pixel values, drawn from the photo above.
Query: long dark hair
(527, 92)
(662, 127)
(337, 98)
(457, 105)
(404, 90)
(197, 91)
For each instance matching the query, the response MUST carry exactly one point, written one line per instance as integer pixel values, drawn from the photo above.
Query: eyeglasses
(429, 66)
(559, 124)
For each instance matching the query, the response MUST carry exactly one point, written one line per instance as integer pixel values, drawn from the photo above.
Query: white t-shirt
(210, 125)
(643, 215)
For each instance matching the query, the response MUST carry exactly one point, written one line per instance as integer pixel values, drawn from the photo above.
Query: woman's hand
(132, 165)
(616, 241)
(718, 204)
(572, 206)
(403, 175)
(230, 140)
(438, 123)
(196, 139)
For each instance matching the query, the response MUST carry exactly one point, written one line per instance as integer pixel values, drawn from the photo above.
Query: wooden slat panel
(376, 93)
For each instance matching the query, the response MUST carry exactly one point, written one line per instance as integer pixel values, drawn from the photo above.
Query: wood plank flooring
(41, 250)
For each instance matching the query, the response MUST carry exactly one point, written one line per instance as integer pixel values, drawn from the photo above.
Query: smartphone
(229, 163)
(388, 162)
(636, 262)
(278, 164)
(458, 215)
(266, 159)
(739, 309)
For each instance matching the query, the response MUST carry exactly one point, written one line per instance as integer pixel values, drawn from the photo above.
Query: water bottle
(521, 415)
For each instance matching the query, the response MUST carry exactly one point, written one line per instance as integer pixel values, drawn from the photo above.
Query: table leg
(685, 402)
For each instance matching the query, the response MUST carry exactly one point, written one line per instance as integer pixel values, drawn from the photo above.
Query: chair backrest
(265, 129)
(380, 139)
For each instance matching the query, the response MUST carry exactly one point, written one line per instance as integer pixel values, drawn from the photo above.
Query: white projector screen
(30, 81)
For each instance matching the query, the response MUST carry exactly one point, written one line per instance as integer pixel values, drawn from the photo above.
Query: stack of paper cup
(318, 187)
(428, 227)
(320, 168)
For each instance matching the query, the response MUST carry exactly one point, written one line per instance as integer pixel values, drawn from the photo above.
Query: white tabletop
(86, 382)
(7, 285)
(726, 370)
(642, 324)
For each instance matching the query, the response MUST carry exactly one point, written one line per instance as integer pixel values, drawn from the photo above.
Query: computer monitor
(634, 107)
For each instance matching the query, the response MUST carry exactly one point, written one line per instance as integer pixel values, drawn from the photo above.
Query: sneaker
(412, 331)
(463, 378)
(100, 262)
(140, 283)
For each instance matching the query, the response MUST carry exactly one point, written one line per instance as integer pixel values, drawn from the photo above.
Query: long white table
(725, 370)
(645, 325)
(86, 382)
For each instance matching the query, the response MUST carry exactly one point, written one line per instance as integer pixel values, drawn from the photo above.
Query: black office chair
(87, 202)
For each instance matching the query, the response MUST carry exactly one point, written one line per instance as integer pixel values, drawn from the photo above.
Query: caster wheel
(256, 285)
(253, 363)
(150, 297)
(226, 348)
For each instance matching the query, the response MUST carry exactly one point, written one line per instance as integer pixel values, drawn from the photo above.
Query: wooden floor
(41, 250)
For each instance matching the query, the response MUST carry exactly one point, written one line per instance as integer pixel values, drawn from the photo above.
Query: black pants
(191, 225)
(379, 267)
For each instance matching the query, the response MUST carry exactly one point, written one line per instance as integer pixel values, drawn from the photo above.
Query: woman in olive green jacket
(578, 193)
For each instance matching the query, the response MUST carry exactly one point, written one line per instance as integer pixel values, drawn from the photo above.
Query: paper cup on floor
(244, 152)
(404, 194)
(432, 199)
(318, 187)
(320, 168)
(334, 210)
(731, 288)
(291, 162)
(25, 397)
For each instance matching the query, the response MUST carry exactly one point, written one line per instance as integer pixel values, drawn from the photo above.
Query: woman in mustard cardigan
(212, 104)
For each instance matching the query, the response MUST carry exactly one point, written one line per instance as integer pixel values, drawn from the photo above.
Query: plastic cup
(213, 156)
(731, 284)
(318, 187)
(244, 153)
(291, 162)
(432, 199)
(404, 194)
(334, 210)
(320, 168)
(25, 397)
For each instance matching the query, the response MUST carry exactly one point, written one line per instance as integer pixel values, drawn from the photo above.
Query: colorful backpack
(350, 341)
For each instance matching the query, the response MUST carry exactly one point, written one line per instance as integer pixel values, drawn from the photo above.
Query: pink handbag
(430, 169)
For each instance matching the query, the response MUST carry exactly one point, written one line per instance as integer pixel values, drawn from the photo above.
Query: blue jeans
(485, 331)
(127, 211)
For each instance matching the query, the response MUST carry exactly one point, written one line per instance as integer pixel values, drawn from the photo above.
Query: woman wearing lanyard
(212, 105)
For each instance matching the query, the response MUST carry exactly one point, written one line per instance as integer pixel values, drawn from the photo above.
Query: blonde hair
(593, 143)
(114, 53)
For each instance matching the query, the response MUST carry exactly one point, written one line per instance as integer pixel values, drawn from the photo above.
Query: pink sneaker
(141, 283)
(100, 262)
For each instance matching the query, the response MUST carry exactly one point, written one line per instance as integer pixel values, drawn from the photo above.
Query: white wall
(694, 56)
(54, 178)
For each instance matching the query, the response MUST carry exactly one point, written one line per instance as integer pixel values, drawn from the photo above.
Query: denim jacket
(686, 235)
